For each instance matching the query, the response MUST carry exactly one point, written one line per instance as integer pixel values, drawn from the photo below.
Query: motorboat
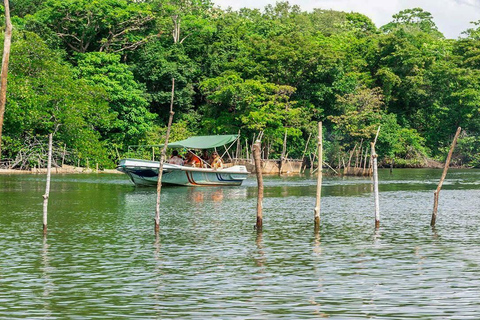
(145, 172)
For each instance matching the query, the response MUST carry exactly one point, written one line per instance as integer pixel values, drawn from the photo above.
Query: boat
(145, 172)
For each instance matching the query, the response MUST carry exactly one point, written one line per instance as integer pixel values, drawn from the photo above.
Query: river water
(101, 259)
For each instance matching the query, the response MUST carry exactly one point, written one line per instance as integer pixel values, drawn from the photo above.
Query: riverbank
(59, 170)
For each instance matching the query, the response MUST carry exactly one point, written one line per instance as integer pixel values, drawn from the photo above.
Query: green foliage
(467, 151)
(360, 114)
(415, 19)
(126, 98)
(155, 66)
(252, 106)
(98, 25)
(45, 97)
(21, 8)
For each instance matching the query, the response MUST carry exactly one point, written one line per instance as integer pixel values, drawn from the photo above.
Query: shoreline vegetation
(59, 170)
(67, 169)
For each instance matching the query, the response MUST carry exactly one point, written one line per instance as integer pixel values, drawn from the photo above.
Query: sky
(451, 16)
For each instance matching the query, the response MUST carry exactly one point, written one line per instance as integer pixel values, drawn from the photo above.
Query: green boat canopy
(204, 142)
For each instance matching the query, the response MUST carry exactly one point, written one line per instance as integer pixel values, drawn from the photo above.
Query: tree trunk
(3, 76)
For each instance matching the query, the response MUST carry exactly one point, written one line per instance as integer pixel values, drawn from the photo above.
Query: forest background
(98, 73)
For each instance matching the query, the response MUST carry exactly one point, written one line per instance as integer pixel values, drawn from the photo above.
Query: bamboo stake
(319, 179)
(359, 150)
(365, 162)
(303, 154)
(162, 160)
(375, 182)
(444, 174)
(64, 153)
(239, 147)
(258, 169)
(306, 145)
(47, 188)
(346, 170)
(375, 187)
(4, 73)
(284, 150)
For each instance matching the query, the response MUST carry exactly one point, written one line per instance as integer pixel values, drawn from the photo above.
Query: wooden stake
(284, 150)
(47, 188)
(258, 169)
(4, 73)
(365, 162)
(375, 187)
(239, 147)
(64, 153)
(319, 179)
(162, 160)
(444, 174)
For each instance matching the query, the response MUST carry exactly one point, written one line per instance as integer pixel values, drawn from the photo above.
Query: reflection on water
(102, 260)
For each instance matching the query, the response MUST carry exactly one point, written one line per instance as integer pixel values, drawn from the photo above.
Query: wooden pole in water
(375, 187)
(319, 179)
(258, 169)
(47, 188)
(375, 182)
(162, 160)
(444, 174)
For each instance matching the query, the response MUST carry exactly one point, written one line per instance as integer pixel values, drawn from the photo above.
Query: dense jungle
(98, 74)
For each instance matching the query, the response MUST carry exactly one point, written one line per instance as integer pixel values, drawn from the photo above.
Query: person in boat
(205, 156)
(206, 159)
(193, 160)
(217, 162)
(176, 159)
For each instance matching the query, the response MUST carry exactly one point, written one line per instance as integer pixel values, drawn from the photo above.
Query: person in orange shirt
(193, 160)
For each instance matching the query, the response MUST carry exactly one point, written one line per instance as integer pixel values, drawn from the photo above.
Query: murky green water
(102, 261)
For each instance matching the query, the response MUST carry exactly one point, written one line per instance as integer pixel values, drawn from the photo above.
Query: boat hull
(145, 173)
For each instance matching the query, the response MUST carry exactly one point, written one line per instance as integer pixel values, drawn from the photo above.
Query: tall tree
(106, 26)
(3, 76)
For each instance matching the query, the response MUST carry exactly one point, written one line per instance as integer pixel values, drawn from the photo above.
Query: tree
(45, 97)
(105, 26)
(126, 98)
(252, 106)
(415, 19)
(4, 73)
(21, 8)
